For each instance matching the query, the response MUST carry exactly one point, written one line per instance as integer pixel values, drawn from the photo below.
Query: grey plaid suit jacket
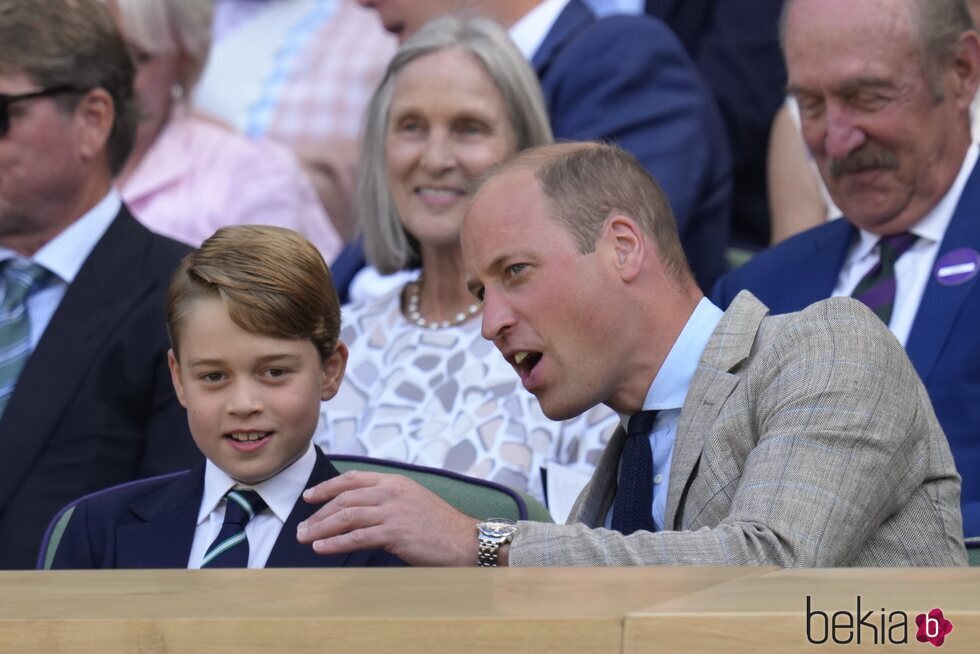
(805, 440)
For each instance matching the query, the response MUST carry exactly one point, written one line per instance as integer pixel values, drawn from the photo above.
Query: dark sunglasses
(7, 100)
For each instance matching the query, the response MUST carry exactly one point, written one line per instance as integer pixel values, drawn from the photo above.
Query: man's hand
(370, 510)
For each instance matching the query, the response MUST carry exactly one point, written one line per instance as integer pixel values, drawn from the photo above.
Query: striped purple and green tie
(230, 548)
(877, 288)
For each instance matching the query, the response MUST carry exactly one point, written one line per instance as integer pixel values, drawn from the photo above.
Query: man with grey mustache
(884, 89)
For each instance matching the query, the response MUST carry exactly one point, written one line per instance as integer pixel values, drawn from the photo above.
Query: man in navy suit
(624, 79)
(90, 404)
(884, 89)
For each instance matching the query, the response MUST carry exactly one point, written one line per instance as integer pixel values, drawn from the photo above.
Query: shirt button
(657, 479)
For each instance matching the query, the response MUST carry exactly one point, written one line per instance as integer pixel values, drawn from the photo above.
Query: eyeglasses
(7, 100)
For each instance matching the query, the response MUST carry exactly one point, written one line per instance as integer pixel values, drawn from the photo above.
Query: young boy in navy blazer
(254, 323)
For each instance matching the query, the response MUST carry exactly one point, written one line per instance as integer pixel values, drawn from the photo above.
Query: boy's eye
(276, 373)
(212, 377)
(516, 269)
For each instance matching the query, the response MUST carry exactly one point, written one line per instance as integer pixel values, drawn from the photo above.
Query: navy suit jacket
(735, 45)
(150, 524)
(944, 344)
(94, 405)
(628, 80)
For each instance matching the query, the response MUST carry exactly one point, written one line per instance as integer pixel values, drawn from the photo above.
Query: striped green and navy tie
(230, 548)
(15, 325)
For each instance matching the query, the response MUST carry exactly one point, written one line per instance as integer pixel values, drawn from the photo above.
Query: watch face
(498, 527)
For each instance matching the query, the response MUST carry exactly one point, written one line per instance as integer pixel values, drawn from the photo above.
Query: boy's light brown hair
(271, 280)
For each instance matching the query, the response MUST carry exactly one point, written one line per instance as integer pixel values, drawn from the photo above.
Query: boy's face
(252, 401)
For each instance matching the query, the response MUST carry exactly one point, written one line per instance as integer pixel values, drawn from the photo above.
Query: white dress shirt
(529, 32)
(667, 394)
(280, 492)
(63, 256)
(913, 269)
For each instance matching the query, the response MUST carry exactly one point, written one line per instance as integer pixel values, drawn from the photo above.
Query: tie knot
(894, 246)
(20, 281)
(641, 424)
(242, 506)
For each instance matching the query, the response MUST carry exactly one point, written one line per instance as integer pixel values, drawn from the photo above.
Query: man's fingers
(365, 538)
(340, 522)
(327, 490)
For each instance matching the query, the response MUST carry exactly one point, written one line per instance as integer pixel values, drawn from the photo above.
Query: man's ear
(623, 240)
(966, 67)
(94, 117)
(175, 377)
(333, 370)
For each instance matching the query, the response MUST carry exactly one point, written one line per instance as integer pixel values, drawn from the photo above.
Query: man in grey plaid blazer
(800, 440)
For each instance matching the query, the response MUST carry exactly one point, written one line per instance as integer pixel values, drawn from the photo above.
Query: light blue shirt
(667, 394)
(605, 7)
(63, 255)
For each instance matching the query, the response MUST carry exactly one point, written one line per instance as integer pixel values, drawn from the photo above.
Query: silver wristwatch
(493, 533)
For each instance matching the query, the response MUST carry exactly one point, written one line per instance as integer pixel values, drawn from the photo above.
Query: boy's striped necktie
(230, 548)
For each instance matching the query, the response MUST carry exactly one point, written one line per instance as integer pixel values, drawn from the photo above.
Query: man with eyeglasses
(85, 396)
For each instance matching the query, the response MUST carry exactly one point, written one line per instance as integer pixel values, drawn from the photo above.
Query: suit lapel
(593, 502)
(290, 553)
(574, 18)
(165, 533)
(819, 266)
(713, 383)
(107, 284)
(940, 305)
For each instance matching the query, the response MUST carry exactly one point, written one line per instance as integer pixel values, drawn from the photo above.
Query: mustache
(864, 158)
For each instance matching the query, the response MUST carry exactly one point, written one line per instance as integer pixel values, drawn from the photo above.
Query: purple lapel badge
(957, 267)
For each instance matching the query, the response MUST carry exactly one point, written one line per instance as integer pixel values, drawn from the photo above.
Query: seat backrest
(56, 528)
(475, 497)
(973, 550)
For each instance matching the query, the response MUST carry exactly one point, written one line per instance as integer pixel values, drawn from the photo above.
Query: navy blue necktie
(230, 548)
(633, 507)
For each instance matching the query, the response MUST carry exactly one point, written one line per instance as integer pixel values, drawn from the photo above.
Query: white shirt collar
(280, 492)
(65, 253)
(933, 225)
(529, 32)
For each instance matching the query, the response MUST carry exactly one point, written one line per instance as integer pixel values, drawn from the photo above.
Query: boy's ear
(175, 377)
(333, 370)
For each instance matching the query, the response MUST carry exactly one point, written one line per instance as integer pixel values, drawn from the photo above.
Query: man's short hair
(271, 280)
(939, 24)
(72, 43)
(585, 184)
(387, 245)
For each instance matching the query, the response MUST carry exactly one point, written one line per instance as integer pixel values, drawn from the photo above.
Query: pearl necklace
(412, 293)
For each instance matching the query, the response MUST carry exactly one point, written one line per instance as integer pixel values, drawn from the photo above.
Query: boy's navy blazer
(944, 344)
(150, 524)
